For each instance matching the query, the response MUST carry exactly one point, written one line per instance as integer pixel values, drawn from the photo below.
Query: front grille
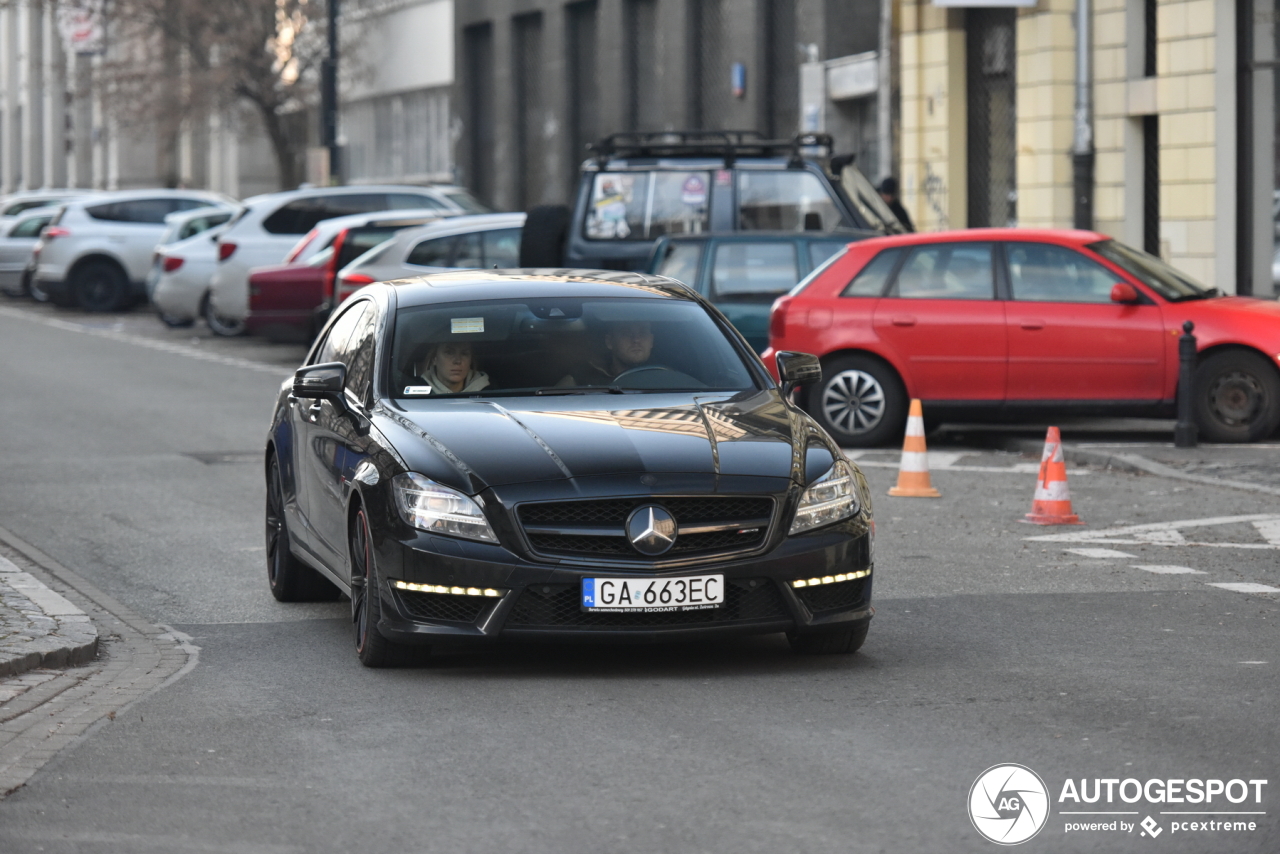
(560, 525)
(443, 606)
(559, 606)
(829, 597)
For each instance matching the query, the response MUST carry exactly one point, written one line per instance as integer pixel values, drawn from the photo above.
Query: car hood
(473, 444)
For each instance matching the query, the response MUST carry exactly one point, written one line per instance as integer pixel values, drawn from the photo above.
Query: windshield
(562, 346)
(1171, 284)
(466, 201)
(868, 201)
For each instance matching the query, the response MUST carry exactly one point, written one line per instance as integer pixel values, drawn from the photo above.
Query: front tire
(289, 578)
(1236, 397)
(225, 326)
(100, 286)
(840, 642)
(861, 401)
(372, 646)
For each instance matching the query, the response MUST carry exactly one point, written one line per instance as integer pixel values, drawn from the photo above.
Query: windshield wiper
(581, 389)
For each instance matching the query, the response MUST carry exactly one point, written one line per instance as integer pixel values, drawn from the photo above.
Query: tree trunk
(282, 145)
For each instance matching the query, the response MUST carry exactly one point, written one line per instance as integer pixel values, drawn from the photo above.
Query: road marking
(1099, 553)
(1243, 586)
(946, 461)
(1250, 662)
(1270, 530)
(1167, 570)
(1169, 533)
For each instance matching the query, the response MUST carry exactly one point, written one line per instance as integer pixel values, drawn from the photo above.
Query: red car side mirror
(1123, 292)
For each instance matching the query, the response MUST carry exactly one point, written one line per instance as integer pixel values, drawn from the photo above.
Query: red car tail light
(172, 263)
(54, 231)
(302, 244)
(351, 283)
(226, 250)
(778, 319)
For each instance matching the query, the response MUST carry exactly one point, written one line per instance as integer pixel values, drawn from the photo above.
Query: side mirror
(798, 369)
(320, 381)
(1123, 292)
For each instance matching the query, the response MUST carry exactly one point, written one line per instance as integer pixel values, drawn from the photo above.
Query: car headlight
(429, 506)
(830, 498)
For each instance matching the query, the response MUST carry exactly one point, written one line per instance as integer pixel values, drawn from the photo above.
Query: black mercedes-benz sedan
(559, 454)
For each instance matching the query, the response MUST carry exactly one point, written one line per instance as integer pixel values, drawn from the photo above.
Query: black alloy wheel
(839, 642)
(289, 578)
(100, 286)
(372, 647)
(860, 401)
(1236, 397)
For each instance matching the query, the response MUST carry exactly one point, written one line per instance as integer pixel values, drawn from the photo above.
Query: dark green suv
(743, 272)
(638, 187)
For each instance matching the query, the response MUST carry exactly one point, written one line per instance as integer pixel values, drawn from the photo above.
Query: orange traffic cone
(913, 471)
(1052, 502)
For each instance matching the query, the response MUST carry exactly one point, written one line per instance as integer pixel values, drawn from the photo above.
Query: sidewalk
(38, 627)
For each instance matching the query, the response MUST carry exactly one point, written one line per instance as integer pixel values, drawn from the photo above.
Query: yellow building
(1177, 105)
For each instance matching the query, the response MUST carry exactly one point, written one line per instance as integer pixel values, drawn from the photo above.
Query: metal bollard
(1185, 432)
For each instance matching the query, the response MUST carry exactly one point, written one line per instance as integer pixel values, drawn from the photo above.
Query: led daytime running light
(448, 591)
(830, 579)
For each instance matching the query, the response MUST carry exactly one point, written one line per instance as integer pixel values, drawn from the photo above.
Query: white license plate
(686, 593)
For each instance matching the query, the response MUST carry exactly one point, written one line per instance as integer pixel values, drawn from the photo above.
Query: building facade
(537, 80)
(1178, 113)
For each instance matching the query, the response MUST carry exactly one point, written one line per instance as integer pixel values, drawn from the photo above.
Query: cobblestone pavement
(38, 627)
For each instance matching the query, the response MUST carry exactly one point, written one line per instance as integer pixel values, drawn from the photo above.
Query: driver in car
(628, 345)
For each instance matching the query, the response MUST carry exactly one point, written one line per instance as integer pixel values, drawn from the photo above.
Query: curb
(1133, 463)
(38, 627)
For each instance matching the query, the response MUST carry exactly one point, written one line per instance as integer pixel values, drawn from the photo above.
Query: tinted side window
(947, 271)
(297, 217)
(680, 261)
(467, 252)
(360, 356)
(150, 211)
(1041, 272)
(30, 227)
(409, 201)
(788, 201)
(354, 203)
(754, 268)
(821, 250)
(432, 253)
(502, 248)
(334, 348)
(871, 279)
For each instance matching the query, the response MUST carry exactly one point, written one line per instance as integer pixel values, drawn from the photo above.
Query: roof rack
(729, 144)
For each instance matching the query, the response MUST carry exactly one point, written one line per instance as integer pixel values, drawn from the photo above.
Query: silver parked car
(186, 255)
(96, 253)
(20, 235)
(461, 242)
(25, 200)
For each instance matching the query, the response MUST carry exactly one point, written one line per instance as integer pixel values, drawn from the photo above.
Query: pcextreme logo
(1009, 804)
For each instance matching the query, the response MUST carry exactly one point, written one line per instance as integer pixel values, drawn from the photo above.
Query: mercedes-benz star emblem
(651, 530)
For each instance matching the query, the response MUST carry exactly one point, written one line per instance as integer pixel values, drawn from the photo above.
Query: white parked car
(20, 235)
(271, 225)
(185, 258)
(25, 200)
(483, 241)
(97, 251)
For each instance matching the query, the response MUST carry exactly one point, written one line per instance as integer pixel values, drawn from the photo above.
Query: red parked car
(1006, 323)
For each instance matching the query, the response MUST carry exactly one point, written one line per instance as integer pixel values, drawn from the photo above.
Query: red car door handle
(904, 320)
(1033, 324)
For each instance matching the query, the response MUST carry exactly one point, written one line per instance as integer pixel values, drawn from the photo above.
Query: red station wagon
(1005, 323)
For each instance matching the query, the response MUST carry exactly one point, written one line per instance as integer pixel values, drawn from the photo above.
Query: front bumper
(540, 601)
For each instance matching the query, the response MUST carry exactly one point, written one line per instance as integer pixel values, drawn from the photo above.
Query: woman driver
(448, 369)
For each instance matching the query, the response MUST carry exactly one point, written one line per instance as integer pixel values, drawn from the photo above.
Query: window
(871, 280)
(947, 271)
(30, 227)
(301, 215)
(1041, 272)
(645, 205)
(198, 224)
(767, 269)
(26, 205)
(334, 348)
(466, 201)
(502, 248)
(409, 201)
(1165, 280)
(432, 253)
(784, 201)
(467, 251)
(360, 359)
(147, 211)
(821, 250)
(680, 261)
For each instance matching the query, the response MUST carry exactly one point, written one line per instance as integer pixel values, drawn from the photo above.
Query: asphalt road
(130, 455)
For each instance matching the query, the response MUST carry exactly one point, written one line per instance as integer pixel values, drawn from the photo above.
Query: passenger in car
(449, 368)
(628, 345)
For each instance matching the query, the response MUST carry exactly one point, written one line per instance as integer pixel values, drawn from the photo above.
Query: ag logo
(1008, 804)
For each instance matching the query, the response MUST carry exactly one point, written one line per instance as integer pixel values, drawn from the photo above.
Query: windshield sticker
(694, 191)
(610, 198)
(417, 389)
(463, 325)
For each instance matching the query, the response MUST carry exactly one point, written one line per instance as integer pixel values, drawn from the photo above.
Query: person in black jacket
(889, 192)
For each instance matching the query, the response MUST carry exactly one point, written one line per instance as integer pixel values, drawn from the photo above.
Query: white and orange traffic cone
(913, 471)
(1052, 502)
